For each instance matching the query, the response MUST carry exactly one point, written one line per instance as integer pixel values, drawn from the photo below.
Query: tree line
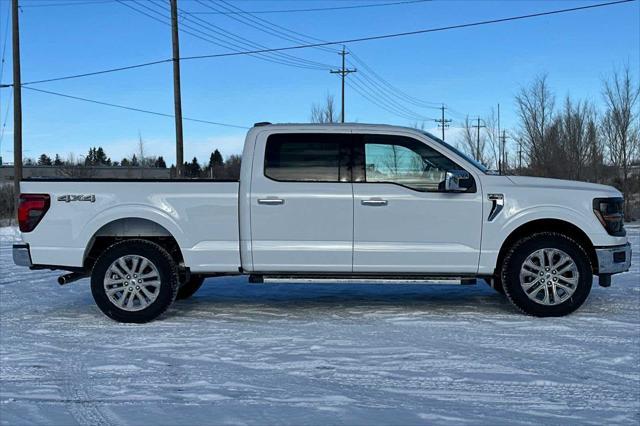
(216, 168)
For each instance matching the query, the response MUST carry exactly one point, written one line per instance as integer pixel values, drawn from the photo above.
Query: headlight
(610, 213)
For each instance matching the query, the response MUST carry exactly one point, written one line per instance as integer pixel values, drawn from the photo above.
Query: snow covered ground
(316, 354)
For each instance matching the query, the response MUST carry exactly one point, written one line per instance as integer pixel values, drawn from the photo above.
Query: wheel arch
(130, 228)
(549, 225)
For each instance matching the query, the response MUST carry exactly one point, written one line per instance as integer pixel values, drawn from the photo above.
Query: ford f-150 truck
(345, 202)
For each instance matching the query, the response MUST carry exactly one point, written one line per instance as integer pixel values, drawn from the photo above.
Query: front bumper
(613, 260)
(21, 255)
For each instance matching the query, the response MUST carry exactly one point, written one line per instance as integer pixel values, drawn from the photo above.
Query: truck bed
(202, 216)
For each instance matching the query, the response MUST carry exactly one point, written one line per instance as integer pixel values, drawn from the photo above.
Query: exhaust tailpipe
(70, 277)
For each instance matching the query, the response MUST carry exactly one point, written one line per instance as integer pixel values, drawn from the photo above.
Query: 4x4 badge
(71, 197)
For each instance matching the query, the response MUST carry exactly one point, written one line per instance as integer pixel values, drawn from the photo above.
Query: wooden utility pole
(17, 100)
(503, 152)
(343, 73)
(177, 97)
(478, 126)
(442, 122)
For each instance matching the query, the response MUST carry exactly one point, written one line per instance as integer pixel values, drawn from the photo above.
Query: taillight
(609, 212)
(31, 210)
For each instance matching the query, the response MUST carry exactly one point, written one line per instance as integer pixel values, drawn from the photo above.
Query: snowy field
(301, 354)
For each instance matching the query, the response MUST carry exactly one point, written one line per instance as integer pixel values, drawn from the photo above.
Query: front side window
(407, 162)
(307, 157)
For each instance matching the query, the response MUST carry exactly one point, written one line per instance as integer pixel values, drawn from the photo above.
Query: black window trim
(355, 168)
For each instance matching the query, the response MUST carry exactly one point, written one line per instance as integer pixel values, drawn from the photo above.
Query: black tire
(496, 284)
(188, 288)
(517, 256)
(166, 292)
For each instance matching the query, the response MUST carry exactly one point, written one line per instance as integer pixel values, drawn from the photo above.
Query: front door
(302, 204)
(404, 221)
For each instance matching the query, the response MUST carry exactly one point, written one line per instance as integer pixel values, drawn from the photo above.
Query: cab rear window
(307, 157)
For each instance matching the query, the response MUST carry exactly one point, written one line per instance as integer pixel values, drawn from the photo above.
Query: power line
(247, 42)
(262, 24)
(93, 101)
(214, 39)
(408, 98)
(387, 99)
(69, 3)
(88, 74)
(362, 91)
(318, 9)
(346, 41)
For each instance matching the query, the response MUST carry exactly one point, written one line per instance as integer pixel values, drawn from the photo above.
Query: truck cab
(351, 201)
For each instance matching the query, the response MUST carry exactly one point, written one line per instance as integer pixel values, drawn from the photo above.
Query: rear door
(302, 203)
(404, 221)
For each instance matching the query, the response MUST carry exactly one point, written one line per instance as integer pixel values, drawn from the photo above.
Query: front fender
(495, 233)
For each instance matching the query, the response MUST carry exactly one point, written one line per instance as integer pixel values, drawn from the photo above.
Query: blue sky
(471, 70)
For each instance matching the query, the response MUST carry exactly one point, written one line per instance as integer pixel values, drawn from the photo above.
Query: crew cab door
(404, 221)
(302, 203)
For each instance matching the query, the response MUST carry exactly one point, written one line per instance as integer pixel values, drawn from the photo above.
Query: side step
(359, 279)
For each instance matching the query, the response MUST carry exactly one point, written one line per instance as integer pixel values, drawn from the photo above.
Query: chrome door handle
(374, 202)
(271, 201)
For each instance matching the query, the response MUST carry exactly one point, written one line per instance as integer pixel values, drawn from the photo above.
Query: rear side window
(307, 157)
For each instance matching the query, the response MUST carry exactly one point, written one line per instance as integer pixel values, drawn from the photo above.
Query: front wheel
(134, 281)
(547, 275)
(188, 288)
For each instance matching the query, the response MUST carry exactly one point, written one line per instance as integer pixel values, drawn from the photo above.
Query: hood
(536, 182)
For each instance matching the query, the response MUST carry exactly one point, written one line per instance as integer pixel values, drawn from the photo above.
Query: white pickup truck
(343, 202)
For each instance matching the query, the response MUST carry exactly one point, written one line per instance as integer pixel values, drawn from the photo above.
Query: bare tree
(470, 144)
(73, 167)
(535, 107)
(619, 125)
(577, 135)
(492, 143)
(324, 113)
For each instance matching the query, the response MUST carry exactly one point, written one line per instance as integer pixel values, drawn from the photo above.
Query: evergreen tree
(125, 162)
(160, 163)
(58, 161)
(44, 160)
(215, 160)
(100, 157)
(134, 161)
(194, 168)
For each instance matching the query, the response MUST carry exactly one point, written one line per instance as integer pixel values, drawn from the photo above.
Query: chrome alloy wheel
(549, 276)
(132, 283)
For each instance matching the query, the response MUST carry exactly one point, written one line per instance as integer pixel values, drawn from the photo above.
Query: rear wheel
(134, 281)
(547, 275)
(188, 288)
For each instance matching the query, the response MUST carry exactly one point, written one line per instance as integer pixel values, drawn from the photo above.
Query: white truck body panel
(221, 227)
(201, 216)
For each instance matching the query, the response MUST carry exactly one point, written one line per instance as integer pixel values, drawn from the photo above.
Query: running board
(358, 279)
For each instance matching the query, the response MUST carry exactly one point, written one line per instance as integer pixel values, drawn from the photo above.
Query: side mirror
(452, 180)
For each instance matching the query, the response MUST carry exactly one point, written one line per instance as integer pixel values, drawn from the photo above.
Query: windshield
(480, 166)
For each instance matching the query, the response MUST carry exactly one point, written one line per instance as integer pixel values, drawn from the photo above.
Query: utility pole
(478, 126)
(177, 97)
(17, 100)
(503, 152)
(520, 157)
(442, 122)
(343, 73)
